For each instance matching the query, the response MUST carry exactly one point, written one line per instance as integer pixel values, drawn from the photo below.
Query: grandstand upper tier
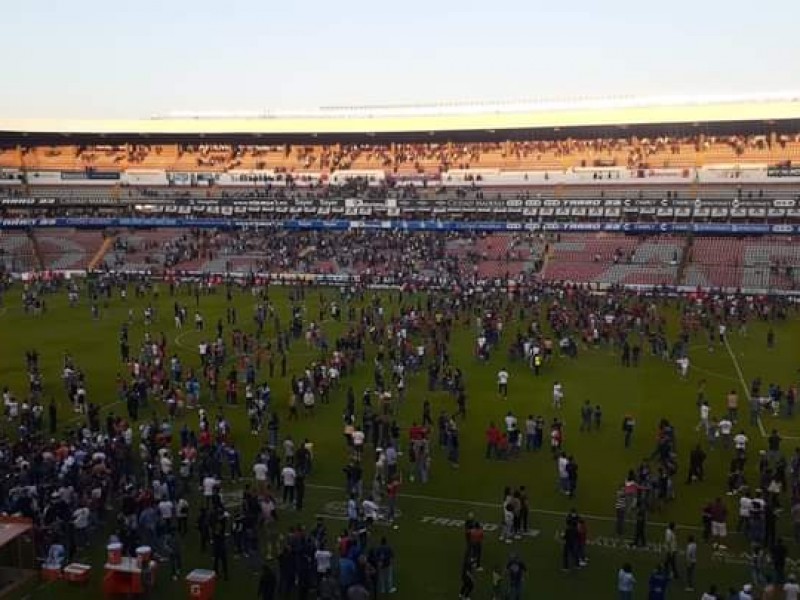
(462, 146)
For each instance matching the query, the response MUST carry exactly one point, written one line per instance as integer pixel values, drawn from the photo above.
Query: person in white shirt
(790, 589)
(288, 448)
(159, 491)
(745, 506)
(308, 400)
(352, 510)
(333, 375)
(182, 511)
(166, 464)
(322, 558)
(683, 366)
(671, 548)
(80, 519)
(370, 509)
(358, 441)
(530, 433)
(740, 442)
(260, 472)
(288, 476)
(563, 472)
(502, 383)
(725, 430)
(167, 510)
(558, 395)
(209, 484)
(747, 589)
(705, 413)
(12, 409)
(690, 555)
(508, 523)
(511, 422)
(711, 594)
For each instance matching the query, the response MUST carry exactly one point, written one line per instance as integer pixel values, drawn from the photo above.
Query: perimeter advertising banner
(404, 225)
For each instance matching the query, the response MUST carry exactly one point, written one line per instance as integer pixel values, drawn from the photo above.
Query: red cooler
(201, 584)
(50, 573)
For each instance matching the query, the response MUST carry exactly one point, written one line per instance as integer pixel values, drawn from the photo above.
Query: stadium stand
(534, 155)
(17, 253)
(614, 259)
(68, 249)
(751, 263)
(554, 194)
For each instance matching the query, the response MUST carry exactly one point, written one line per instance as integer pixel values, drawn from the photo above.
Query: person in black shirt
(779, 553)
(570, 549)
(286, 565)
(774, 444)
(220, 548)
(467, 580)
(52, 415)
(696, 460)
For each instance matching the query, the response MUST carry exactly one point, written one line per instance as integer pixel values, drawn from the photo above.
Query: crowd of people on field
(167, 448)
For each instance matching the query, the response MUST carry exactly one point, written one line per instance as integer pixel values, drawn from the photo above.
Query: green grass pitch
(429, 542)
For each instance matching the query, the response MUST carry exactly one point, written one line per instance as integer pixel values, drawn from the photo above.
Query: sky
(102, 59)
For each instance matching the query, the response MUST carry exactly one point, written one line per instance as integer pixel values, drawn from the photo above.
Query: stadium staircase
(97, 259)
(37, 251)
(546, 256)
(686, 258)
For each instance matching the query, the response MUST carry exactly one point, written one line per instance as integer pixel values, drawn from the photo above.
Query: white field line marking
(744, 383)
(81, 417)
(178, 339)
(428, 520)
(715, 374)
(541, 511)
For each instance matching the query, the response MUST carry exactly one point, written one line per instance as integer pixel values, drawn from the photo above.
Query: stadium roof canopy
(544, 120)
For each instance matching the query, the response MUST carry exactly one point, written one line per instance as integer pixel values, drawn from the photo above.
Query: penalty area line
(742, 380)
(498, 506)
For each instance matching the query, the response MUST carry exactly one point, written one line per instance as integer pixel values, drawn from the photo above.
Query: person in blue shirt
(625, 582)
(658, 584)
(385, 556)
(515, 572)
(347, 574)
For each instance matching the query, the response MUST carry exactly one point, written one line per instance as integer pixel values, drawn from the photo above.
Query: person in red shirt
(475, 535)
(582, 535)
(492, 440)
(719, 519)
(204, 439)
(416, 432)
(392, 492)
(344, 543)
